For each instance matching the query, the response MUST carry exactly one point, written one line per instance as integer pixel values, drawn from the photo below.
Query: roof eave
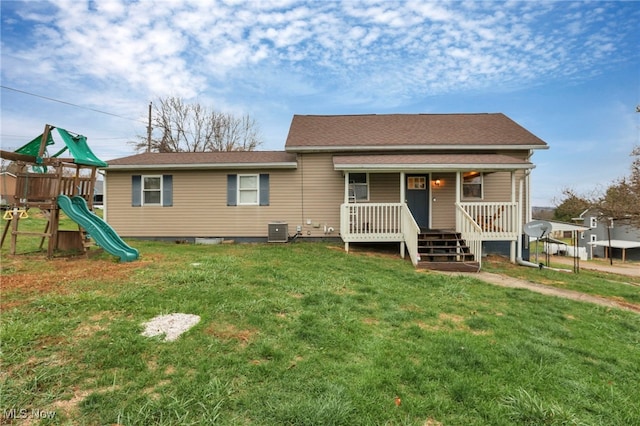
(429, 167)
(411, 148)
(204, 166)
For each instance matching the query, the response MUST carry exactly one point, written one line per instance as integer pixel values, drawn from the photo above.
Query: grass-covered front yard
(305, 334)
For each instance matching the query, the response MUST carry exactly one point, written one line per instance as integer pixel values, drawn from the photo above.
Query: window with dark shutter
(232, 188)
(136, 191)
(264, 189)
(248, 190)
(148, 190)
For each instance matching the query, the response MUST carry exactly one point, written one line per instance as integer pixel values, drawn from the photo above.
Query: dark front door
(417, 195)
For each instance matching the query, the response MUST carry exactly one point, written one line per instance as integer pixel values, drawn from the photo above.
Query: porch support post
(346, 201)
(346, 187)
(458, 185)
(513, 245)
(402, 200)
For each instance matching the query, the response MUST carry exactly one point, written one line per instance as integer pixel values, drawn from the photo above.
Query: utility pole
(149, 130)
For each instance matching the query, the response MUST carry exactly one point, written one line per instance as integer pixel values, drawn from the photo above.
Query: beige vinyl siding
(384, 187)
(496, 186)
(443, 201)
(200, 206)
(322, 195)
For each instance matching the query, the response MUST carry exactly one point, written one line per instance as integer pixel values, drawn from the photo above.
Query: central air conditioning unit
(278, 232)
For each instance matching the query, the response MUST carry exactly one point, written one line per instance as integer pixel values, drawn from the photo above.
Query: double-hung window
(472, 185)
(152, 190)
(248, 189)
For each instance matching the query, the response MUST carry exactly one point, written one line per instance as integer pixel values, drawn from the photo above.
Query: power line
(72, 104)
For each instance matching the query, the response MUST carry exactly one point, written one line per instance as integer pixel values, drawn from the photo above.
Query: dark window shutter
(264, 189)
(232, 190)
(136, 191)
(167, 190)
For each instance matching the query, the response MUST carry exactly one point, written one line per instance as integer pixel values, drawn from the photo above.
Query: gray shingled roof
(258, 159)
(408, 131)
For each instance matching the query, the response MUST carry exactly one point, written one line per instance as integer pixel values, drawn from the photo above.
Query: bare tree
(184, 127)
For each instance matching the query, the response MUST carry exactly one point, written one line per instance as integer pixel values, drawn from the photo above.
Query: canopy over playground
(36, 150)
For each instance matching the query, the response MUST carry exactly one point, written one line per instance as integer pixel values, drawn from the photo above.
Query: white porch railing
(497, 220)
(393, 222)
(380, 222)
(410, 230)
(371, 222)
(470, 232)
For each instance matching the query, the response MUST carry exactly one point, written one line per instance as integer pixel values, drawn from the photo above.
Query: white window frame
(593, 222)
(593, 238)
(241, 190)
(353, 193)
(144, 190)
(466, 197)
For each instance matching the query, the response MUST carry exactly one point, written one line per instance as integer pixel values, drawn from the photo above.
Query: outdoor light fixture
(437, 182)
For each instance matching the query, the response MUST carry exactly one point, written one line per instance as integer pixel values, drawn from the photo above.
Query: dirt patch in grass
(448, 322)
(60, 273)
(230, 332)
(70, 407)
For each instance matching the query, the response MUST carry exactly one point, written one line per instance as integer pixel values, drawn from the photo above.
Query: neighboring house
(7, 188)
(441, 185)
(618, 233)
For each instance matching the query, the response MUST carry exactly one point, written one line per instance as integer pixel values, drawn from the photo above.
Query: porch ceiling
(441, 162)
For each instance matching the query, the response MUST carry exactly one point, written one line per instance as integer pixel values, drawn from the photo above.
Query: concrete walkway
(505, 281)
(621, 269)
(629, 269)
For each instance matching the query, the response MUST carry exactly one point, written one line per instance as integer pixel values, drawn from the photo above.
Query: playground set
(53, 183)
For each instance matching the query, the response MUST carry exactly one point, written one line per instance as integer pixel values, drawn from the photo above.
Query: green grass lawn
(305, 334)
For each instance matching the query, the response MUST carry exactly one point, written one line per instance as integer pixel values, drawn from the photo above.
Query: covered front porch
(471, 203)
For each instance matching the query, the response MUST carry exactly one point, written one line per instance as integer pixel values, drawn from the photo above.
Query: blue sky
(569, 72)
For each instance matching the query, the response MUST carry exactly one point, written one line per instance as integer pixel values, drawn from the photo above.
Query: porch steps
(443, 250)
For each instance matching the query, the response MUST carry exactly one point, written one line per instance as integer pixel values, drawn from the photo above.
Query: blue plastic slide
(103, 234)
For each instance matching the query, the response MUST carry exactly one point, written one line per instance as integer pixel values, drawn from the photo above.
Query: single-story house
(607, 237)
(440, 185)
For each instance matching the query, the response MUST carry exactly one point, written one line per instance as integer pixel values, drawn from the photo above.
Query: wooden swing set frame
(40, 190)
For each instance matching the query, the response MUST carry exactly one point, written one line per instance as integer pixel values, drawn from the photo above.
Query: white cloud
(186, 44)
